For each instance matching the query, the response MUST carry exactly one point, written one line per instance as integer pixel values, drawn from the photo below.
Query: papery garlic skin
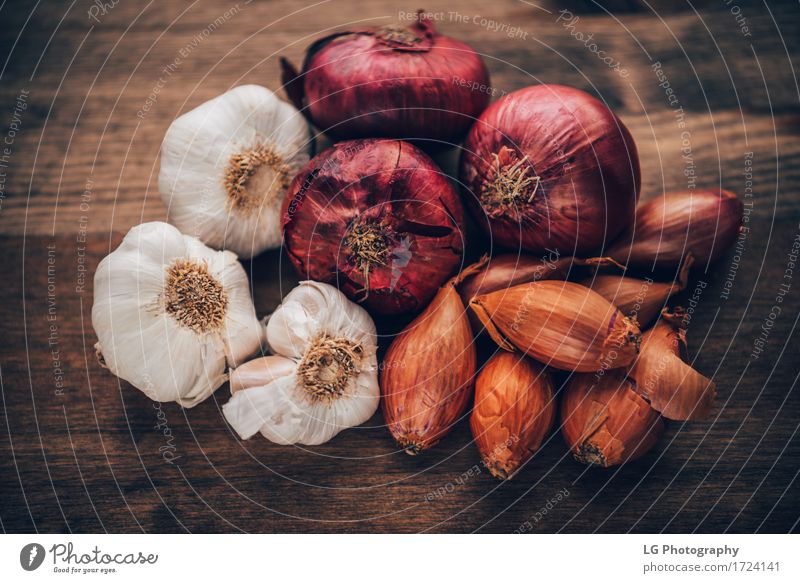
(323, 378)
(226, 165)
(172, 315)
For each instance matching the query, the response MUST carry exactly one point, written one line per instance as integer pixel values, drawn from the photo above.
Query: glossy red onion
(377, 219)
(551, 167)
(704, 222)
(397, 81)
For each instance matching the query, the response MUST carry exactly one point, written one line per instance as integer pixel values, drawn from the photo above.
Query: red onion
(551, 167)
(379, 220)
(392, 81)
(703, 222)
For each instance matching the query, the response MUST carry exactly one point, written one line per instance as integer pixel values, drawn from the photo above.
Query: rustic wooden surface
(90, 456)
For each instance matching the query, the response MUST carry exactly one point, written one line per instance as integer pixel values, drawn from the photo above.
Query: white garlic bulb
(172, 315)
(226, 165)
(323, 377)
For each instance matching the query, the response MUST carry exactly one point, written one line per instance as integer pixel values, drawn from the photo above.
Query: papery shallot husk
(704, 222)
(395, 81)
(510, 269)
(640, 298)
(562, 324)
(513, 412)
(550, 166)
(429, 373)
(663, 377)
(605, 422)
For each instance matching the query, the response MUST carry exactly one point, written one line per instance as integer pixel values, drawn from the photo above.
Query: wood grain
(90, 456)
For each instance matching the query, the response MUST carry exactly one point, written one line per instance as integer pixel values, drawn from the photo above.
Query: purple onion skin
(387, 183)
(584, 157)
(361, 83)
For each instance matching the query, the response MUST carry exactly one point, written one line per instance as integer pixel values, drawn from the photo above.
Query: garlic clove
(260, 370)
(290, 329)
(323, 378)
(672, 386)
(275, 404)
(225, 167)
(269, 408)
(309, 306)
(243, 333)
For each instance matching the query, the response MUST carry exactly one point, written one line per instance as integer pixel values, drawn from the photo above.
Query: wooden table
(81, 451)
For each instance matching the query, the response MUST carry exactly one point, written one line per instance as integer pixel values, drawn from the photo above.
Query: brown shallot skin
(429, 373)
(642, 299)
(510, 269)
(513, 412)
(605, 422)
(703, 222)
(561, 324)
(663, 377)
(398, 81)
(550, 166)
(507, 270)
(378, 220)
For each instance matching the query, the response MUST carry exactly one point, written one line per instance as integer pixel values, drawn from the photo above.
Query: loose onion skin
(664, 377)
(704, 222)
(377, 219)
(392, 81)
(551, 167)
